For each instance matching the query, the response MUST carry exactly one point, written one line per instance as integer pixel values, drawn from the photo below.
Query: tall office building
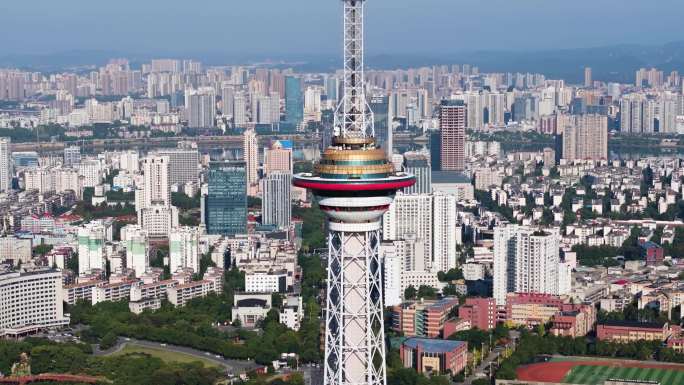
(200, 107)
(5, 165)
(225, 206)
(72, 156)
(418, 165)
(183, 164)
(585, 137)
(277, 199)
(588, 81)
(526, 260)
(294, 102)
(184, 249)
(278, 157)
(452, 126)
(435, 150)
(332, 87)
(382, 124)
(250, 150)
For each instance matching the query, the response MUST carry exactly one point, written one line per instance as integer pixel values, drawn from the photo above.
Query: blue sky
(314, 26)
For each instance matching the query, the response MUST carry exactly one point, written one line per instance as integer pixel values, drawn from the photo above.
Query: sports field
(596, 375)
(590, 371)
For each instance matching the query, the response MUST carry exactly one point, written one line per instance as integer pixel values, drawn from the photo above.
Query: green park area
(165, 355)
(596, 375)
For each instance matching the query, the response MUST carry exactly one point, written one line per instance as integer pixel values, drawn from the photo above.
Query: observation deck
(354, 181)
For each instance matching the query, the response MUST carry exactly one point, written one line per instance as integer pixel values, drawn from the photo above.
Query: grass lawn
(596, 375)
(164, 355)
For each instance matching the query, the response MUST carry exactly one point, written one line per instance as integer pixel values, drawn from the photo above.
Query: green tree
(410, 292)
(108, 340)
(427, 292)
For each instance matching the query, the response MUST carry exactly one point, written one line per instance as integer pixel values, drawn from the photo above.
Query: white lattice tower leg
(355, 345)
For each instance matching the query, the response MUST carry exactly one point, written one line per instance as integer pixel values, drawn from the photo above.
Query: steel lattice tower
(354, 184)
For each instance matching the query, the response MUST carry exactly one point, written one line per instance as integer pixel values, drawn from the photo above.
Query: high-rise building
(585, 137)
(200, 107)
(332, 87)
(137, 245)
(452, 126)
(418, 165)
(382, 124)
(240, 110)
(5, 165)
(72, 156)
(588, 81)
(91, 254)
(355, 184)
(277, 199)
(227, 100)
(156, 186)
(250, 150)
(431, 219)
(129, 161)
(183, 165)
(278, 157)
(158, 220)
(294, 102)
(312, 104)
(526, 260)
(184, 249)
(166, 65)
(667, 113)
(435, 151)
(268, 109)
(34, 301)
(638, 114)
(225, 206)
(649, 78)
(91, 170)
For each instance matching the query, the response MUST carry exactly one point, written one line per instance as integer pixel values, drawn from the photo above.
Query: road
(232, 366)
(312, 375)
(480, 368)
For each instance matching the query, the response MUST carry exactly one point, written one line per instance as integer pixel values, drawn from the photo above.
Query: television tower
(355, 184)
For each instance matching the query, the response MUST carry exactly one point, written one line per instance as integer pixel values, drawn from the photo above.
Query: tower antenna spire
(353, 118)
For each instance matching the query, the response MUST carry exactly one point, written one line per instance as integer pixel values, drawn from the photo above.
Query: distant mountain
(609, 63)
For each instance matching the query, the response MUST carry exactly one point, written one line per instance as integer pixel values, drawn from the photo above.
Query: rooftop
(432, 345)
(449, 177)
(635, 324)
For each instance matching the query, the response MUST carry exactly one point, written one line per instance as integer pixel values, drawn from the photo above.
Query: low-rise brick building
(434, 356)
(627, 331)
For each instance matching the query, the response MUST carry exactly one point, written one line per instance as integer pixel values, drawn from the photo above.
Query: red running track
(50, 377)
